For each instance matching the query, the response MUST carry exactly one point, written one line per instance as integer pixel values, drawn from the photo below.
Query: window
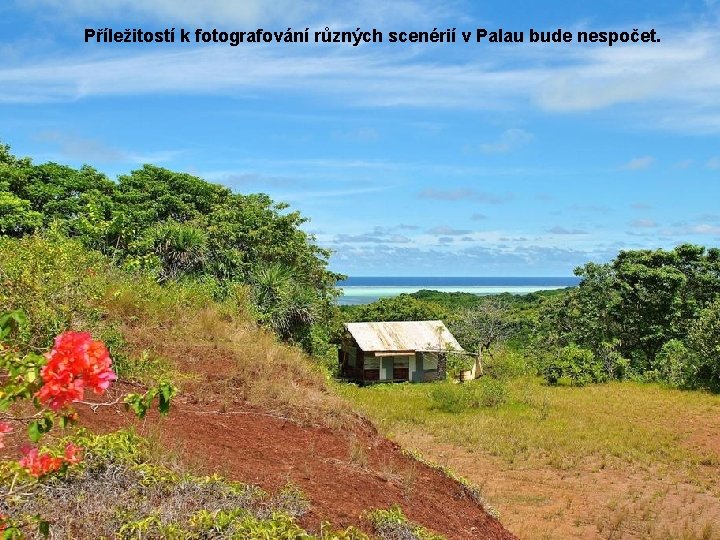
(401, 361)
(372, 363)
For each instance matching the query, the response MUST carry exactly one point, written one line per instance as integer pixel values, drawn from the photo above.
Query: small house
(400, 351)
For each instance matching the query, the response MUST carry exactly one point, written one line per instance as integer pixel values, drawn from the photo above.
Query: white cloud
(244, 12)
(713, 163)
(643, 223)
(509, 139)
(668, 84)
(639, 163)
(704, 228)
(443, 230)
(564, 230)
(94, 151)
(465, 194)
(174, 11)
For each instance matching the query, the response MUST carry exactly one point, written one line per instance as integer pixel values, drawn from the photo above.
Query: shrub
(552, 370)
(449, 397)
(704, 341)
(507, 363)
(457, 363)
(578, 364)
(672, 364)
(392, 524)
(613, 363)
(487, 392)
(56, 282)
(455, 398)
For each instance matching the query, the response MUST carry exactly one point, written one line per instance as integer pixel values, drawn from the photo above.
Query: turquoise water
(363, 290)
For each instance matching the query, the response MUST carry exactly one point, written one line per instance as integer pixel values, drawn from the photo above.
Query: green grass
(560, 426)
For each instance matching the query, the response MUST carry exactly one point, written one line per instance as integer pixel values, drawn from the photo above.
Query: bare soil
(343, 473)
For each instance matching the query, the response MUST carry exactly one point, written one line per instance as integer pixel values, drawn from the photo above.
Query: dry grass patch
(218, 355)
(621, 460)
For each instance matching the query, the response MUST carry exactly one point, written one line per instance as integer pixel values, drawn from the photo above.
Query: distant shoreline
(363, 290)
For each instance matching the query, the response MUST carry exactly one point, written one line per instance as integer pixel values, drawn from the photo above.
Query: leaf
(12, 321)
(37, 428)
(166, 392)
(136, 403)
(44, 528)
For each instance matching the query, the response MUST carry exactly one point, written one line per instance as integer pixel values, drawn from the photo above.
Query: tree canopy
(173, 225)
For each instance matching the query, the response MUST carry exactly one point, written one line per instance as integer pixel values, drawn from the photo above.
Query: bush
(118, 491)
(488, 392)
(449, 397)
(392, 524)
(578, 364)
(672, 364)
(552, 371)
(55, 281)
(581, 366)
(507, 363)
(457, 363)
(704, 342)
(613, 363)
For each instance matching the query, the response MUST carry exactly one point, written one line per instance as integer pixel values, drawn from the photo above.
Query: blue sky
(415, 159)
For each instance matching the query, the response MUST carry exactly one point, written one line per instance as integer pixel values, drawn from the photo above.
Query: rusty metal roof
(403, 336)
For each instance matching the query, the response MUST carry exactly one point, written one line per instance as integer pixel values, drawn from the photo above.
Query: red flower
(75, 361)
(4, 429)
(98, 374)
(38, 465)
(72, 454)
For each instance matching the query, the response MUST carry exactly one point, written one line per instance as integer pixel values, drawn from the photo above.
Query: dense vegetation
(174, 225)
(647, 315)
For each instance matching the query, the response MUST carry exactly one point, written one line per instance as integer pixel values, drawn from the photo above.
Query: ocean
(363, 290)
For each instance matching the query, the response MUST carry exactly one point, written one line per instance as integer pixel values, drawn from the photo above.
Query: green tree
(176, 225)
(398, 308)
(704, 341)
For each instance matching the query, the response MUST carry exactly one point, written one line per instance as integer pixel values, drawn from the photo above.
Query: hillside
(249, 408)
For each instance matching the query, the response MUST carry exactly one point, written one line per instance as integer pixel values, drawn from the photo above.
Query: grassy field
(620, 460)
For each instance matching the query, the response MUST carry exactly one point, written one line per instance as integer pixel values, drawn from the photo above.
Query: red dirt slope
(342, 472)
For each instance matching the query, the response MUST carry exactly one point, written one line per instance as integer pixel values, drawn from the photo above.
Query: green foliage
(392, 523)
(630, 309)
(140, 404)
(175, 225)
(508, 362)
(448, 397)
(578, 364)
(457, 363)
(282, 302)
(55, 281)
(484, 326)
(16, 216)
(403, 307)
(704, 343)
(672, 365)
(488, 392)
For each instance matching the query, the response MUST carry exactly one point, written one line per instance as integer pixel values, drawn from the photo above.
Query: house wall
(417, 372)
(360, 366)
